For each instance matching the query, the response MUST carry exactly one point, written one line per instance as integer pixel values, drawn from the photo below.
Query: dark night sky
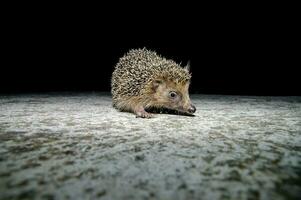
(228, 54)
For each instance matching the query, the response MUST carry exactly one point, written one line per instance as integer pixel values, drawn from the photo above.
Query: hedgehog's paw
(144, 115)
(141, 113)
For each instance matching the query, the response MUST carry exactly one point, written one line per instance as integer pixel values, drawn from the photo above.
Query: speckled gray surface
(76, 146)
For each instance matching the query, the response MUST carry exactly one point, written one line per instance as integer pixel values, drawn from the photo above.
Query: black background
(241, 53)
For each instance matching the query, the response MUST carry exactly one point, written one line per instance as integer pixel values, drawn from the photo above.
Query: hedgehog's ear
(187, 67)
(157, 83)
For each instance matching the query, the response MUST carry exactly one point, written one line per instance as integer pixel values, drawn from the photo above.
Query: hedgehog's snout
(192, 109)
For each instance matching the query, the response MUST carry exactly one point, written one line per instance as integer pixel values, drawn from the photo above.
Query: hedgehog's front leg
(140, 112)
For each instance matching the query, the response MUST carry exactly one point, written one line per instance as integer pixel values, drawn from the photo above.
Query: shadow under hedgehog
(143, 81)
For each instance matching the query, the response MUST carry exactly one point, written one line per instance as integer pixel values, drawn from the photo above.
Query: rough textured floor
(76, 146)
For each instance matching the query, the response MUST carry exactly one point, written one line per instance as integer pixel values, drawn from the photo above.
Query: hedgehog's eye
(172, 94)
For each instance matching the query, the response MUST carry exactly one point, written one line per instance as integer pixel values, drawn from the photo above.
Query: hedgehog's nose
(192, 109)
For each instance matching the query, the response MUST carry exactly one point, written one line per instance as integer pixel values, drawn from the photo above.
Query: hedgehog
(143, 80)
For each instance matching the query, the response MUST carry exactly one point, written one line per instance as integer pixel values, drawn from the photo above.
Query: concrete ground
(76, 146)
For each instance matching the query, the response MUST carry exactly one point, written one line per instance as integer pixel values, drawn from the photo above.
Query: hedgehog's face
(171, 95)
